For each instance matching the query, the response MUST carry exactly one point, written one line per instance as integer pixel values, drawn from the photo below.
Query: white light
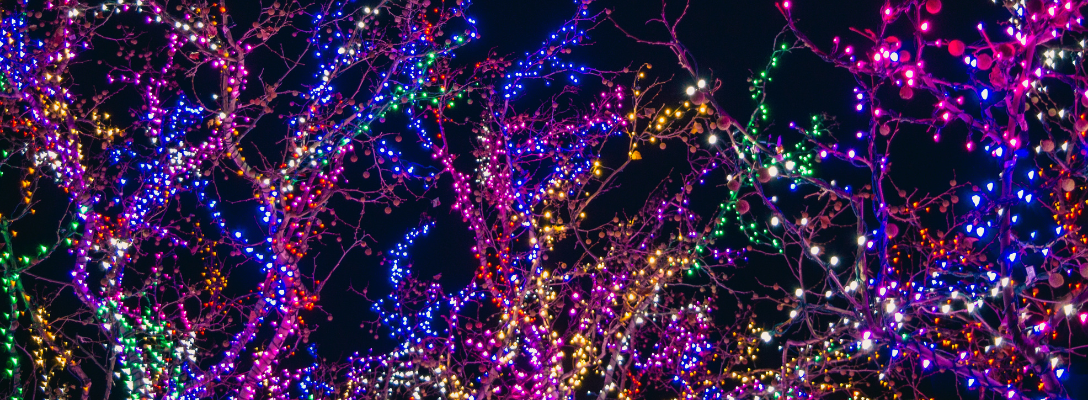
(712, 139)
(774, 221)
(814, 250)
(773, 171)
(766, 336)
(790, 165)
(799, 292)
(834, 260)
(691, 90)
(702, 83)
(861, 240)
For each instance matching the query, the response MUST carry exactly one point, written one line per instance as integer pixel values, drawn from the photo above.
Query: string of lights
(191, 167)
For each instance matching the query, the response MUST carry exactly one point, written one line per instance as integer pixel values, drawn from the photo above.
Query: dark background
(731, 41)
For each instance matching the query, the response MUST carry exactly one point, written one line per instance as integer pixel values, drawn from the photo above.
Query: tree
(195, 177)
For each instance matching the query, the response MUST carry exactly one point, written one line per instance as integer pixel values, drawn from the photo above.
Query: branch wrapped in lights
(177, 164)
(977, 290)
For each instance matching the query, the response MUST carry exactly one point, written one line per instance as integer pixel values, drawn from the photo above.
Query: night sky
(730, 42)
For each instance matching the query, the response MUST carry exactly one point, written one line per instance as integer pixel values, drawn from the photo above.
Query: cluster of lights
(640, 303)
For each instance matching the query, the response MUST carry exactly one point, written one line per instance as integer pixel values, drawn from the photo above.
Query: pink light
(925, 26)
